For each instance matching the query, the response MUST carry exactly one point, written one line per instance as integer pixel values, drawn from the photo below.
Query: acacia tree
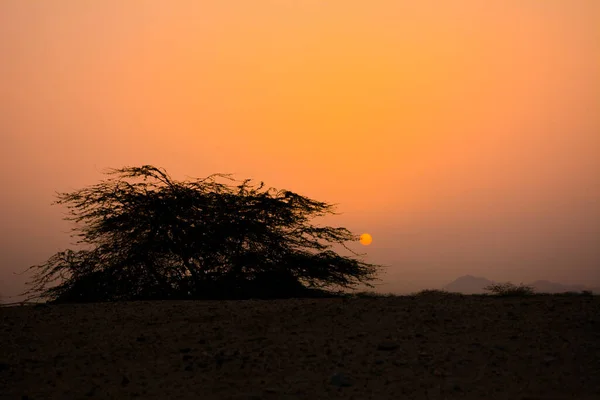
(151, 237)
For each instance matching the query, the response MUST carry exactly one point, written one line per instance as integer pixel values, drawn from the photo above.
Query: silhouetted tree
(510, 289)
(152, 237)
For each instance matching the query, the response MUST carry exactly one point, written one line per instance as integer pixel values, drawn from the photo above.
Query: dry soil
(427, 347)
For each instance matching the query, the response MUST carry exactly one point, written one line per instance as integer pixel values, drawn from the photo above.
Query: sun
(366, 239)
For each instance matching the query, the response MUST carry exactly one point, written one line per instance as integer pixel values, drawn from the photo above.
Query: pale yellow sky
(463, 135)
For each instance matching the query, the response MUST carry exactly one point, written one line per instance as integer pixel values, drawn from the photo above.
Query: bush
(573, 293)
(435, 292)
(510, 289)
(366, 294)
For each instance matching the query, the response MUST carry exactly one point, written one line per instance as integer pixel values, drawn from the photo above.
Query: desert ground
(409, 347)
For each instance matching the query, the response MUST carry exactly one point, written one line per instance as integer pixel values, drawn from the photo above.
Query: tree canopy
(151, 237)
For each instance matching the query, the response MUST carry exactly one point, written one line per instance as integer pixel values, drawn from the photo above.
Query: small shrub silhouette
(510, 289)
(366, 294)
(435, 292)
(573, 293)
(369, 294)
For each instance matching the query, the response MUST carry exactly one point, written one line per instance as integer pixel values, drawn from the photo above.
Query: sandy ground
(466, 347)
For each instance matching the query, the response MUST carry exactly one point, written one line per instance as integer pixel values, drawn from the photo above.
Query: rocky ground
(418, 347)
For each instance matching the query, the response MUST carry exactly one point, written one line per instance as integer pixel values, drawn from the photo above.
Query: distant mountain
(469, 284)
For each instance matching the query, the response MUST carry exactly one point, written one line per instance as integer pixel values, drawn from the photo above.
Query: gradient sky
(463, 135)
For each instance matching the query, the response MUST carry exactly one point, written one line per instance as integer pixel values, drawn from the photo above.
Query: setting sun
(366, 239)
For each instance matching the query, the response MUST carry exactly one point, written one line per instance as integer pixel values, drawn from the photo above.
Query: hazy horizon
(464, 136)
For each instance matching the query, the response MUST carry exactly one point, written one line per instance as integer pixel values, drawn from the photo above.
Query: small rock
(340, 379)
(457, 388)
(387, 346)
(434, 393)
(92, 391)
(249, 396)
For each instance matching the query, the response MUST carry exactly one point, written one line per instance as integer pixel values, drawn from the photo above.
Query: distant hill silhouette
(469, 284)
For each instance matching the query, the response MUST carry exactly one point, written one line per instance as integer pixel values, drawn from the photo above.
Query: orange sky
(463, 135)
